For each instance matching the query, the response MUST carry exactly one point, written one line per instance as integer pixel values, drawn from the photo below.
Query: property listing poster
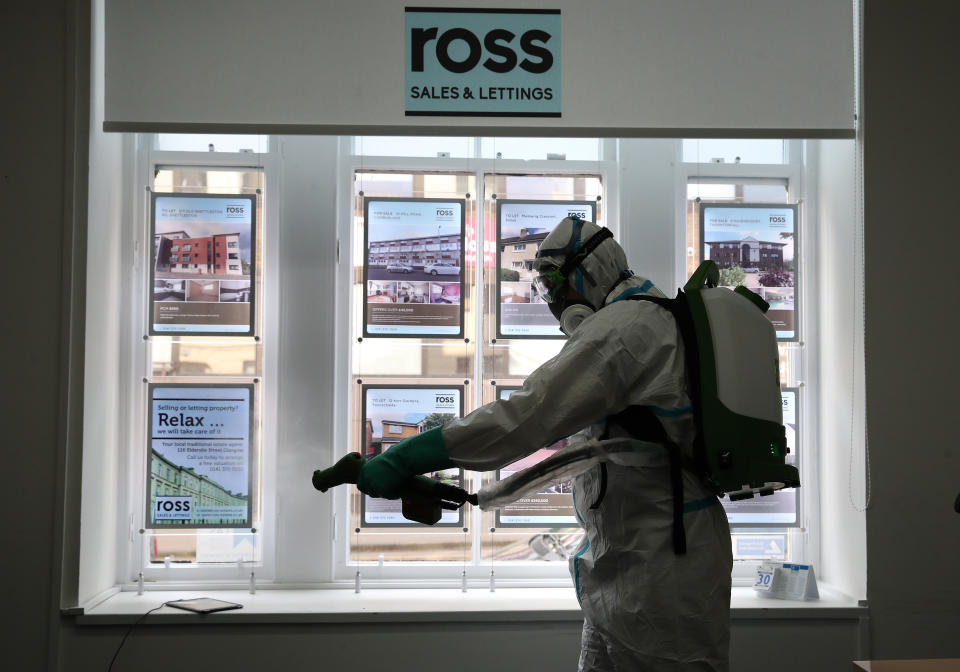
(203, 264)
(552, 506)
(521, 228)
(394, 413)
(756, 246)
(199, 464)
(779, 508)
(413, 267)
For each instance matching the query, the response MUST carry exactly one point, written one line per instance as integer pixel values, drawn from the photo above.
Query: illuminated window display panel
(550, 508)
(522, 226)
(392, 413)
(755, 245)
(199, 465)
(413, 267)
(202, 264)
(779, 508)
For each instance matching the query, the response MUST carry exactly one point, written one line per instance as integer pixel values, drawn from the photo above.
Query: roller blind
(736, 68)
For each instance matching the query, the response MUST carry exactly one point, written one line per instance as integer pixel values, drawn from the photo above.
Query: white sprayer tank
(742, 336)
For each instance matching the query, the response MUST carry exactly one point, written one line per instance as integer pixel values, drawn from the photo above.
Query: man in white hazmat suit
(647, 604)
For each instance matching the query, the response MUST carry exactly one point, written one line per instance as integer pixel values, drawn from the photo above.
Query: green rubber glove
(385, 474)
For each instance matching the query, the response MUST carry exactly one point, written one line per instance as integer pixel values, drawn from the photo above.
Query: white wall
(101, 438)
(841, 394)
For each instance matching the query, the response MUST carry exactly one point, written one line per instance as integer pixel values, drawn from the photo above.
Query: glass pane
(375, 145)
(197, 359)
(203, 546)
(415, 357)
(194, 142)
(179, 355)
(504, 357)
(423, 545)
(386, 411)
(201, 356)
(571, 149)
(402, 266)
(525, 545)
(733, 151)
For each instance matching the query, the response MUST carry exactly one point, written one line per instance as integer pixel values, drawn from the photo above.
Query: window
(481, 277)
(385, 368)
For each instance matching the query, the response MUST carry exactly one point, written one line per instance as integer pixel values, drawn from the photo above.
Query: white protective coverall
(645, 608)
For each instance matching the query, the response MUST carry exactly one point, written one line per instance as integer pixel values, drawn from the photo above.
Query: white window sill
(422, 605)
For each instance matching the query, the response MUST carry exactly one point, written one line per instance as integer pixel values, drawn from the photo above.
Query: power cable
(127, 633)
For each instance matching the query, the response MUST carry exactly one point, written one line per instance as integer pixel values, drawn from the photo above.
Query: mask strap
(585, 251)
(571, 245)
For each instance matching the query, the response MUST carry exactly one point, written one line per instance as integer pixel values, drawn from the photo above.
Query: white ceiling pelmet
(667, 68)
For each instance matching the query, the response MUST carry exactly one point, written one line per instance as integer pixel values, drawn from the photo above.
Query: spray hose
(570, 461)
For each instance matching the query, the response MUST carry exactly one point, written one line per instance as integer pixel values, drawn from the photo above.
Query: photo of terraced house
(169, 479)
(518, 252)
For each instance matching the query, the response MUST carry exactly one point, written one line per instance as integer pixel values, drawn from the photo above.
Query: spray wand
(423, 498)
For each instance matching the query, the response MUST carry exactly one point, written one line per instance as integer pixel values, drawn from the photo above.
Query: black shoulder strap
(641, 420)
(680, 310)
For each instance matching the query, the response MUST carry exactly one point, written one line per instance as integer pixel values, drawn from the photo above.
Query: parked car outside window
(441, 269)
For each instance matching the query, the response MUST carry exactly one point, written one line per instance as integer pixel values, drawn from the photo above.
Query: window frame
(423, 573)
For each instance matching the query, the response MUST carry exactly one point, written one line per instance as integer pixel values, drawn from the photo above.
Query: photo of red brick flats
(203, 264)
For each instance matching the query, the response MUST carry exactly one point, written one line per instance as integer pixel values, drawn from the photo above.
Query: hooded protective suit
(645, 607)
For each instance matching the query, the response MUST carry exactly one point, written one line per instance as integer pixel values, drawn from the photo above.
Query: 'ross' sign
(482, 62)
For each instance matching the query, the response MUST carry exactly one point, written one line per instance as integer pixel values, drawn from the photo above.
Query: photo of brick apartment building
(179, 253)
(747, 252)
